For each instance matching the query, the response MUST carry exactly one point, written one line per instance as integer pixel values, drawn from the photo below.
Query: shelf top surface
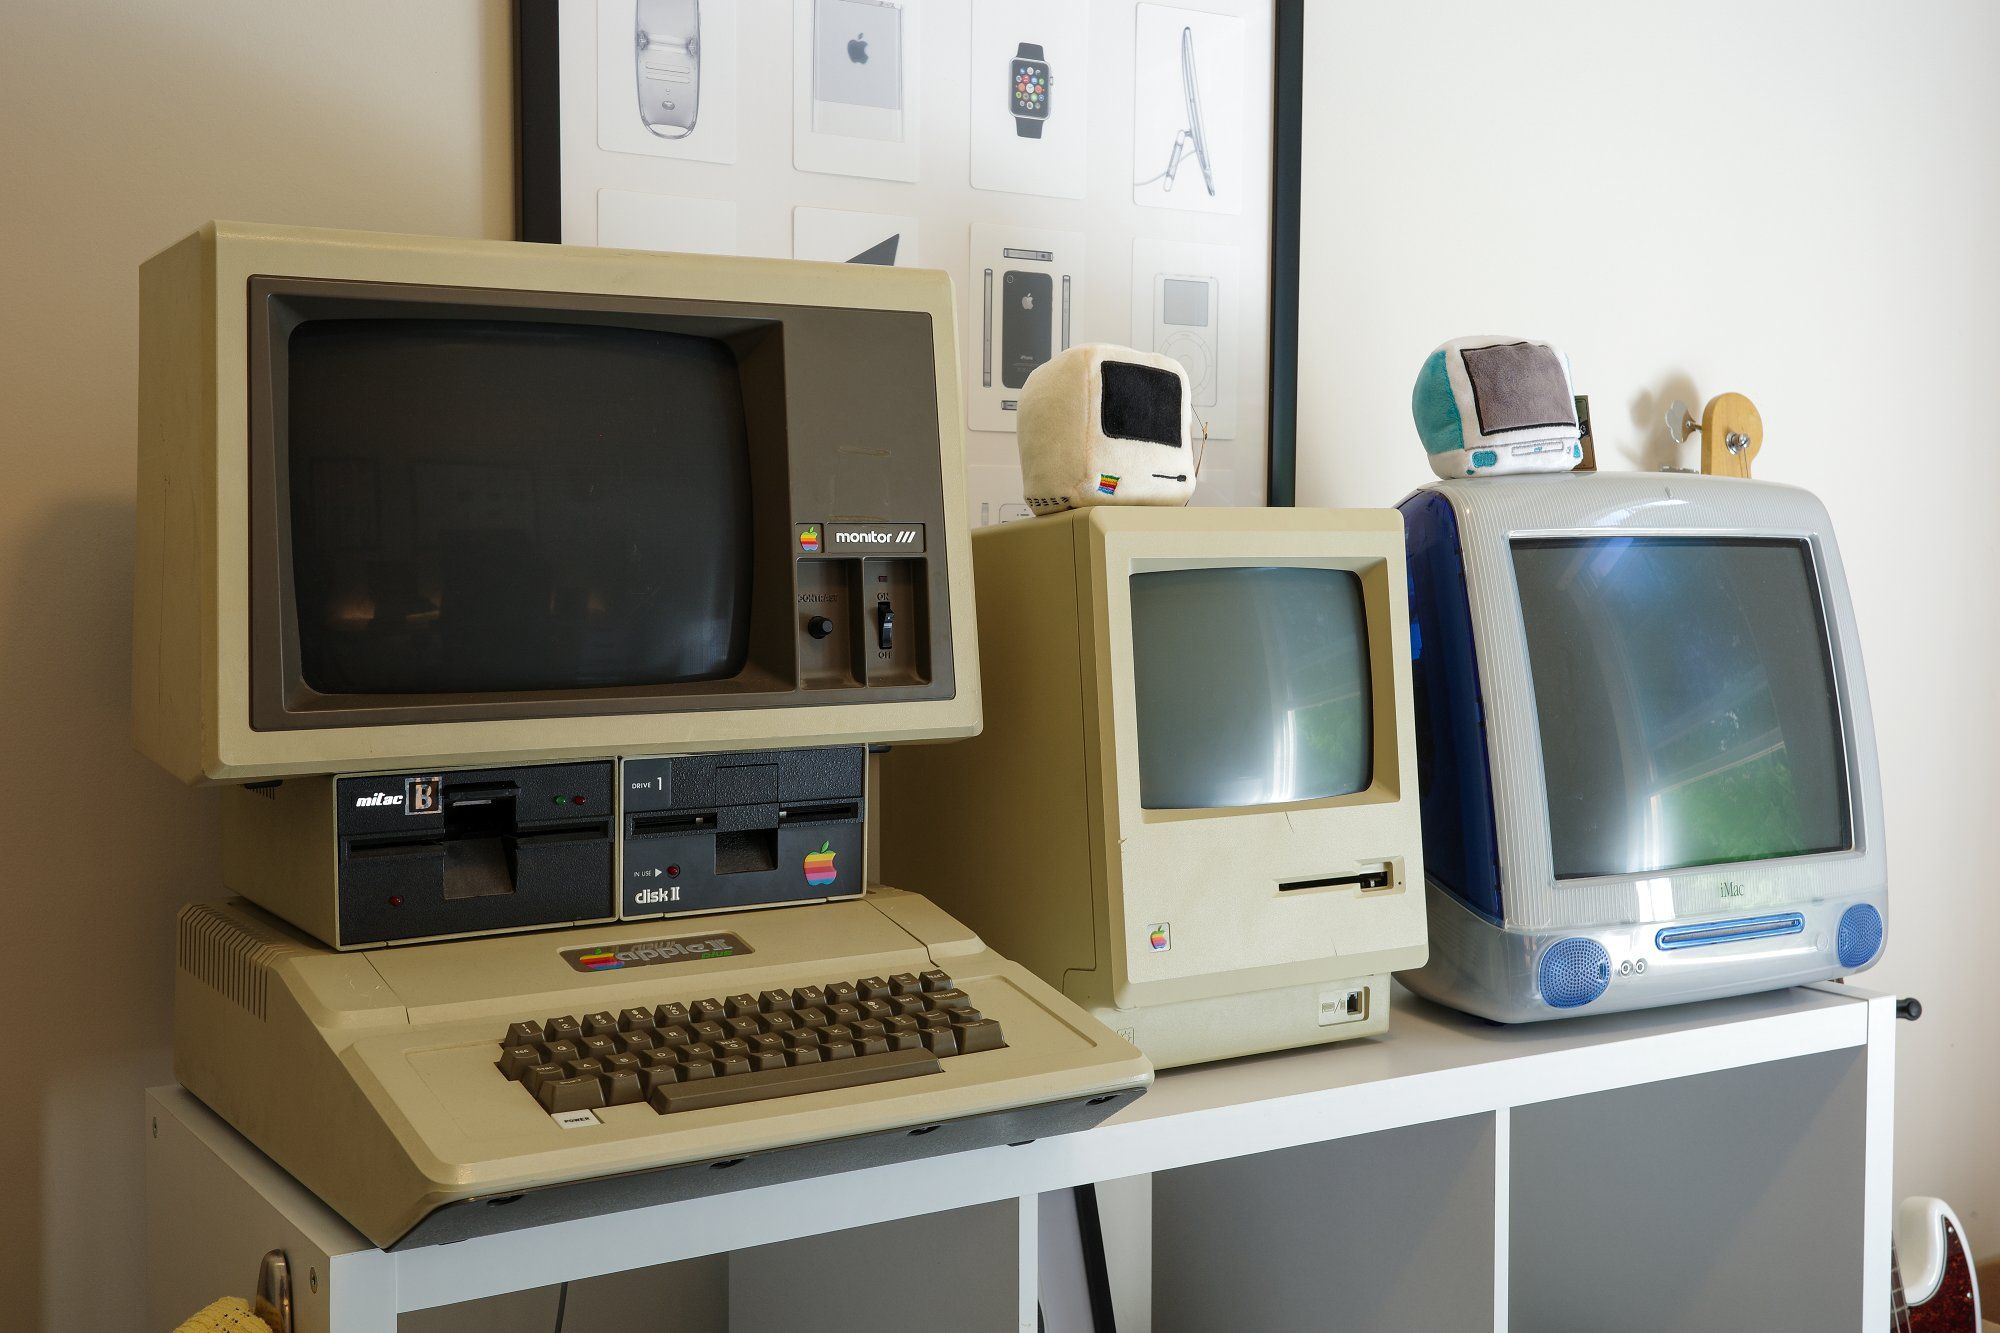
(1428, 1039)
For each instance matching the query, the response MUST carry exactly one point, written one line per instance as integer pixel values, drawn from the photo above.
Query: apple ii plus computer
(540, 605)
(1194, 804)
(1648, 768)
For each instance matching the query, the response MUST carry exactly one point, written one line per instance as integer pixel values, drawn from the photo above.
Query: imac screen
(491, 505)
(1252, 686)
(1687, 703)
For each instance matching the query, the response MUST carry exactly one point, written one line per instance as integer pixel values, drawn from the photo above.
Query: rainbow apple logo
(1158, 939)
(809, 540)
(819, 865)
(599, 961)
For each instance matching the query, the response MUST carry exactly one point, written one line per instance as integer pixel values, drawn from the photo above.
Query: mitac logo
(377, 798)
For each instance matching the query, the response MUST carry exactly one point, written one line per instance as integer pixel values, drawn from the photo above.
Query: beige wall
(123, 126)
(1800, 202)
(1812, 220)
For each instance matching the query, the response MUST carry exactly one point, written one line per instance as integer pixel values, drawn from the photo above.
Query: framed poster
(1085, 170)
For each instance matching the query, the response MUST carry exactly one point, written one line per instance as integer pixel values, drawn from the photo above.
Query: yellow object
(231, 1314)
(1732, 432)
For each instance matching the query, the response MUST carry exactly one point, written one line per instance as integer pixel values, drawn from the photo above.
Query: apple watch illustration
(1028, 85)
(858, 69)
(1101, 424)
(667, 38)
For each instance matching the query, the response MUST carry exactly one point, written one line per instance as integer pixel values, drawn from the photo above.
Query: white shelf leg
(1503, 1221)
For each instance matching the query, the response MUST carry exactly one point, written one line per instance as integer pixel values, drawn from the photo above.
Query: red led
(395, 900)
(576, 800)
(674, 872)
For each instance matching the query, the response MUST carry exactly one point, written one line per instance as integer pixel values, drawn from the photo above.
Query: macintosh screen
(490, 505)
(1686, 699)
(1252, 686)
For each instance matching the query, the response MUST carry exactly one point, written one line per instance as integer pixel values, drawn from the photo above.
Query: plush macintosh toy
(1489, 405)
(1101, 424)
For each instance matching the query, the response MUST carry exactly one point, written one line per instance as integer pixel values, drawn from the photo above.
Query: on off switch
(819, 627)
(885, 626)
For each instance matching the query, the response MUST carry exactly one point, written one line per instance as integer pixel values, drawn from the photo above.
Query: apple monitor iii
(1648, 766)
(1193, 806)
(539, 606)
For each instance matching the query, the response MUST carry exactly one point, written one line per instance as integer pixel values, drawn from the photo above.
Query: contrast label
(650, 953)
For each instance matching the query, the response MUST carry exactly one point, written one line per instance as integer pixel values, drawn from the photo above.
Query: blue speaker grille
(1574, 972)
(1860, 936)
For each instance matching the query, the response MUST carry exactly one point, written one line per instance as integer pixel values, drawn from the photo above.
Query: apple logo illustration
(819, 865)
(857, 50)
(1027, 300)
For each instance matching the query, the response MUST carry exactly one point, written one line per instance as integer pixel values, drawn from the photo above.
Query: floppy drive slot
(1376, 877)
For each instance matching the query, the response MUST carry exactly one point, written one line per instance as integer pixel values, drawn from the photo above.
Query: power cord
(562, 1306)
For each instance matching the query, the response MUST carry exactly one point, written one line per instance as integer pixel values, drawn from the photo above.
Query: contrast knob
(819, 627)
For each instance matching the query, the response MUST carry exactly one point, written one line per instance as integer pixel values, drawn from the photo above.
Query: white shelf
(1465, 1095)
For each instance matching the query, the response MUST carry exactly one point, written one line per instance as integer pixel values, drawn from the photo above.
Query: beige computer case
(191, 616)
(1033, 833)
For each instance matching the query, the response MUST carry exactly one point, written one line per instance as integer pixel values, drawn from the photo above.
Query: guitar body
(1932, 1284)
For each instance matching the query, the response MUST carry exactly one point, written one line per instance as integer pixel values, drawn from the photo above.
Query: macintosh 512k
(539, 606)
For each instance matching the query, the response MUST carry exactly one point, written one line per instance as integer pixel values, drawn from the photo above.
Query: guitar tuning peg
(1681, 422)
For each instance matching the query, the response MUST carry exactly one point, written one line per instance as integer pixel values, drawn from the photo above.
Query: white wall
(124, 125)
(1800, 202)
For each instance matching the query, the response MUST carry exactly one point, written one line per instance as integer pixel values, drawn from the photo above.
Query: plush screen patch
(1140, 403)
(1100, 424)
(1497, 404)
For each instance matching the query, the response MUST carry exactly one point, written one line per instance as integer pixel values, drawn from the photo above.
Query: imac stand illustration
(667, 39)
(1194, 138)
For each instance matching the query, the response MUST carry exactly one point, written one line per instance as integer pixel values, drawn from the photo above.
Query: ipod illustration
(1027, 323)
(858, 69)
(1184, 327)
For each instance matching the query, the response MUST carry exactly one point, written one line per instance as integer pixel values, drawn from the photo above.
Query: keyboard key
(876, 1009)
(657, 1076)
(744, 1026)
(599, 1024)
(731, 1057)
(622, 1086)
(793, 1080)
(801, 1039)
(522, 1034)
(709, 1030)
(518, 1060)
(981, 1034)
(562, 1028)
(844, 1013)
(935, 980)
(905, 983)
(639, 1040)
(774, 1002)
(813, 1018)
(864, 1044)
(940, 1041)
(907, 1004)
(802, 1055)
(766, 1052)
(669, 1015)
(873, 988)
(635, 1020)
(583, 1093)
(900, 1023)
(707, 1011)
(905, 1041)
(950, 999)
(560, 1052)
(599, 1046)
(737, 1006)
(533, 1079)
(584, 1067)
(806, 997)
(777, 1022)
(677, 1035)
(932, 1020)
(868, 1027)
(841, 992)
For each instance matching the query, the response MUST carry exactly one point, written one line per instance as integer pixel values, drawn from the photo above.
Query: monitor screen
(1252, 686)
(489, 505)
(1687, 703)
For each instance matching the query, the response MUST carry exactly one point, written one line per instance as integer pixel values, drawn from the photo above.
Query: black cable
(562, 1306)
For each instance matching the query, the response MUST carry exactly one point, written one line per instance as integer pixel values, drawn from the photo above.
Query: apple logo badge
(1027, 300)
(857, 50)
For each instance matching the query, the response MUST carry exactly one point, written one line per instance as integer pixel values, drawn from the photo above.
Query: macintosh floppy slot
(1375, 877)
